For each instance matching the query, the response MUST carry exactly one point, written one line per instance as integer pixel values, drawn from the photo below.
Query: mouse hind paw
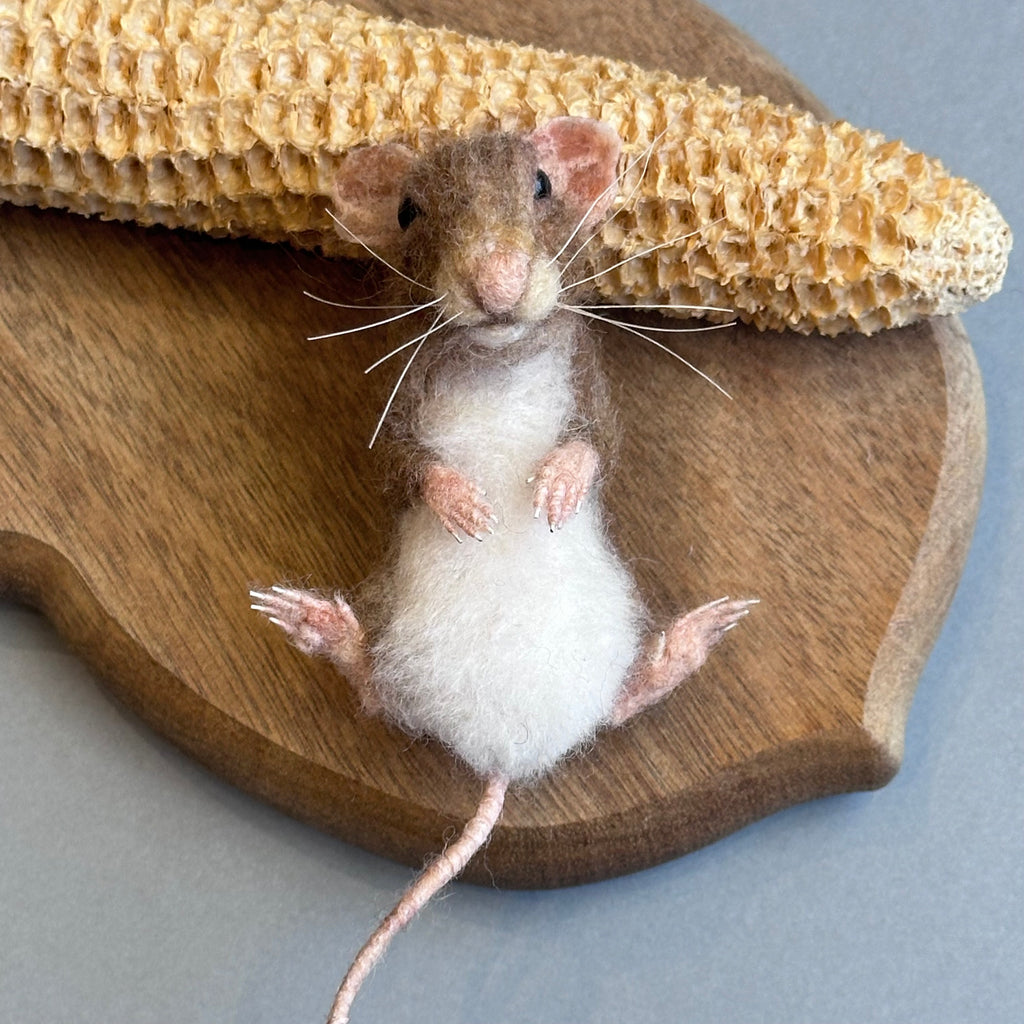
(317, 625)
(322, 627)
(677, 653)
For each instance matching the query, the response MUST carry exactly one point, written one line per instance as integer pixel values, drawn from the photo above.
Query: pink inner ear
(580, 157)
(368, 191)
(373, 173)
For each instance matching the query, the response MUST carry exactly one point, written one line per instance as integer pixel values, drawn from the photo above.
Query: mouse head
(480, 219)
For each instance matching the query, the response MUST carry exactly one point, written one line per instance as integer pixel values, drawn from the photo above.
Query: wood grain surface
(168, 438)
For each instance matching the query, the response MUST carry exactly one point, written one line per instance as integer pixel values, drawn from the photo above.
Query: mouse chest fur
(495, 423)
(511, 651)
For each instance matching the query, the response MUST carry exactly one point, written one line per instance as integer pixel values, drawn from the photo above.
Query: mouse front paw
(562, 481)
(459, 503)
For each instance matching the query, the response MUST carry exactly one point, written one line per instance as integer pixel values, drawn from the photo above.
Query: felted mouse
(504, 625)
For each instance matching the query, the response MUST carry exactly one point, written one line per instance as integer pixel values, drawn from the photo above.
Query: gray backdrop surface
(136, 887)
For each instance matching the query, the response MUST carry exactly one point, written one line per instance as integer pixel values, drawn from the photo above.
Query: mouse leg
(562, 481)
(677, 653)
(323, 627)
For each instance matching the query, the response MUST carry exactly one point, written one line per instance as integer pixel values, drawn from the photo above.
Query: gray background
(134, 886)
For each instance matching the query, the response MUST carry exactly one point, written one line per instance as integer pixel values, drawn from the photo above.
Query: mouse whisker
(657, 344)
(433, 329)
(376, 255)
(585, 310)
(354, 305)
(636, 256)
(376, 323)
(656, 305)
(645, 155)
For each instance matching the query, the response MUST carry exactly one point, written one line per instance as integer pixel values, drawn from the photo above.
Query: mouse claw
(659, 647)
(540, 500)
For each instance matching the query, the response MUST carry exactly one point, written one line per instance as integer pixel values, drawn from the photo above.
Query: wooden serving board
(168, 438)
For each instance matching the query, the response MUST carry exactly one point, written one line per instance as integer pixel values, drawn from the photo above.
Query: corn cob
(230, 116)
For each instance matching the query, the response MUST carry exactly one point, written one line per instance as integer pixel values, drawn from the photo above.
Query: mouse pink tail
(433, 878)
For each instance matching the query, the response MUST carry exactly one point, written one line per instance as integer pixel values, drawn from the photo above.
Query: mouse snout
(501, 279)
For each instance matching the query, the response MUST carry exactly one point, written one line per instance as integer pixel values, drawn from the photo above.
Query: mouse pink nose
(501, 279)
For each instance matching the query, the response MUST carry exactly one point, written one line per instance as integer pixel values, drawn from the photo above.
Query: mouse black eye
(407, 212)
(541, 186)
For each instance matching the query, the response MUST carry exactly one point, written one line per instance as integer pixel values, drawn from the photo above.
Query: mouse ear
(580, 156)
(368, 193)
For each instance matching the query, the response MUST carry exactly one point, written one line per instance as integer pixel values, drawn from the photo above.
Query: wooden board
(168, 438)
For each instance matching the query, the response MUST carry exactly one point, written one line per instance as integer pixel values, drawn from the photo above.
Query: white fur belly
(512, 650)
